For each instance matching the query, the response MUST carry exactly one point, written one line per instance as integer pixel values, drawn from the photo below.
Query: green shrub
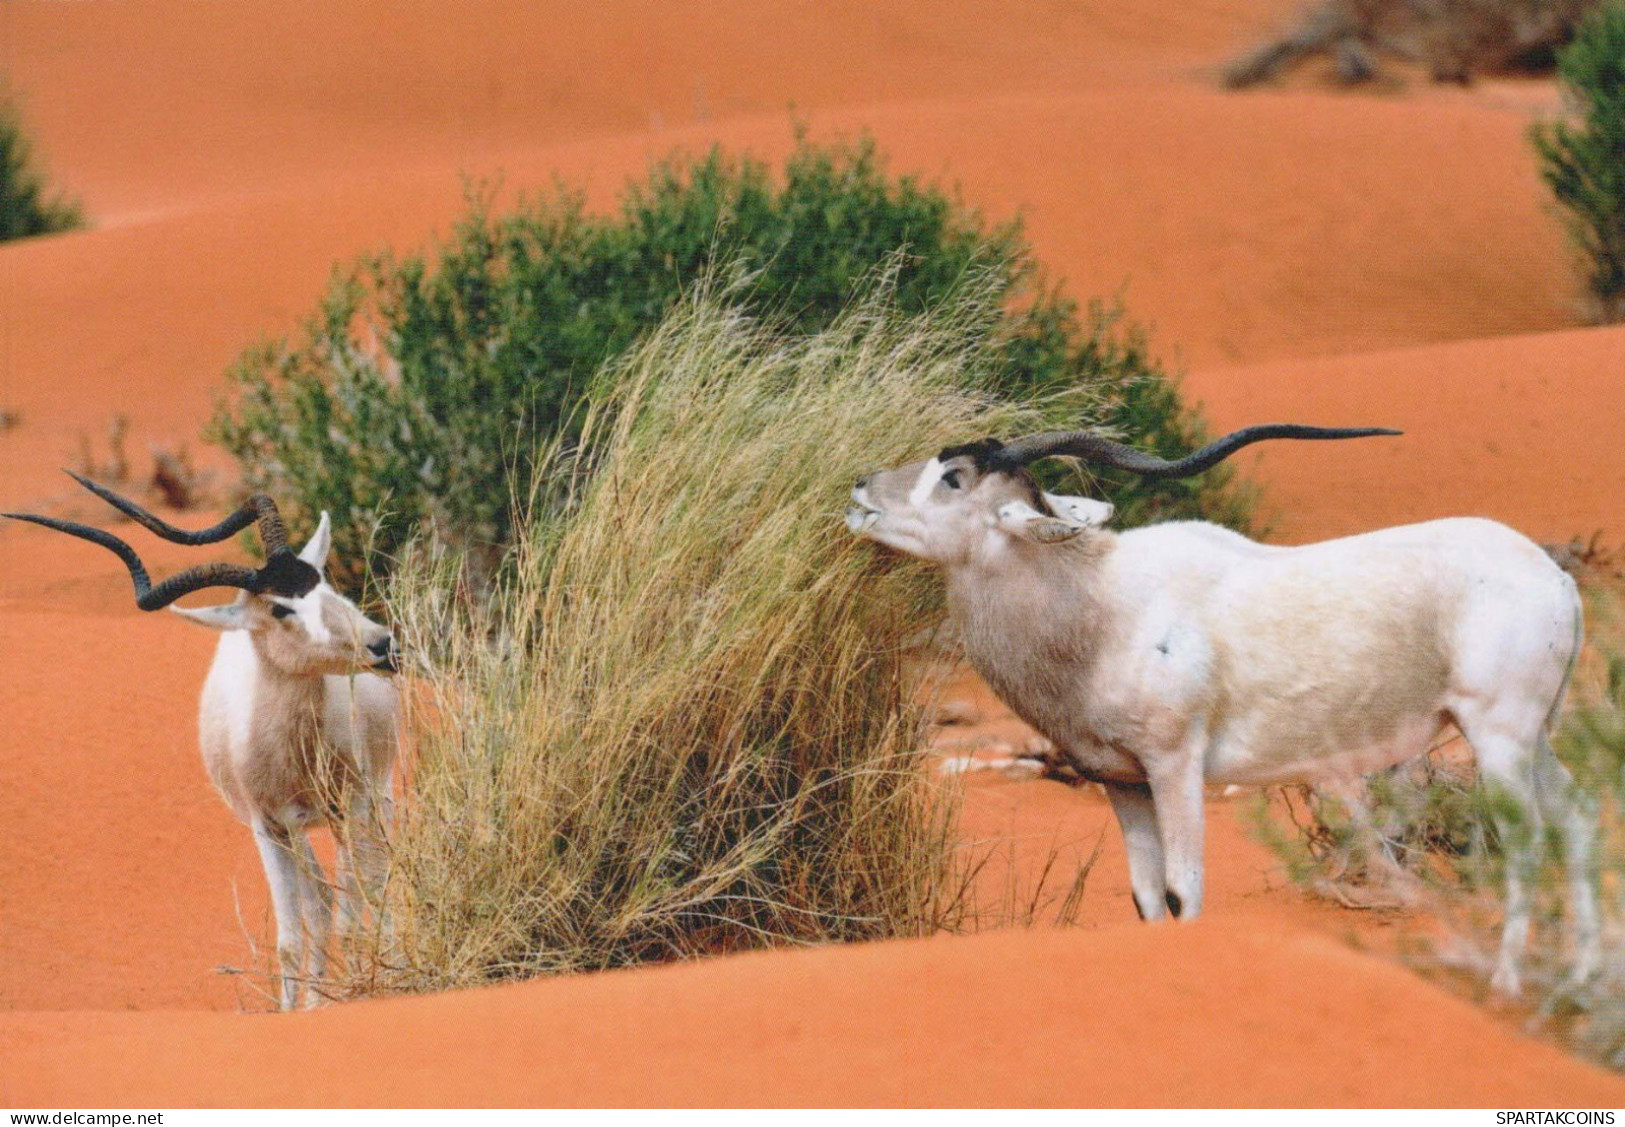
(421, 391)
(25, 206)
(1424, 836)
(682, 725)
(1583, 161)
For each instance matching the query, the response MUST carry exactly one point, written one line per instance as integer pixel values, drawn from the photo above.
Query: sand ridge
(1212, 1013)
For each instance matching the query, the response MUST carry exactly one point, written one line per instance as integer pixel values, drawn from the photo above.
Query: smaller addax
(296, 725)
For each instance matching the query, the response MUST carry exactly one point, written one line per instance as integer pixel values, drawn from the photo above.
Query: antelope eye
(951, 479)
(280, 611)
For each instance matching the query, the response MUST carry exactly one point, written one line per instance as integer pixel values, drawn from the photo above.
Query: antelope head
(301, 625)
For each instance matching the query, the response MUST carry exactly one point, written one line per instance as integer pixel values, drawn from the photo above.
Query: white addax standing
(1183, 653)
(296, 725)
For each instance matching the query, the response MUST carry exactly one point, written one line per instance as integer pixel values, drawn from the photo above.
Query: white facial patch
(929, 476)
(309, 611)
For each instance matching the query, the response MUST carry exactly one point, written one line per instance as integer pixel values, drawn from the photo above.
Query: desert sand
(1380, 258)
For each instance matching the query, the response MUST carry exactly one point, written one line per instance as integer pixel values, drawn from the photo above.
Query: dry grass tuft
(682, 725)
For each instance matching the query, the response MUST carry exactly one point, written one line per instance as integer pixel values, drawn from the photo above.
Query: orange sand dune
(151, 106)
(1216, 1013)
(119, 861)
(230, 154)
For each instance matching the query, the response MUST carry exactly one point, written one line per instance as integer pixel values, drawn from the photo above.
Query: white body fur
(295, 733)
(1170, 656)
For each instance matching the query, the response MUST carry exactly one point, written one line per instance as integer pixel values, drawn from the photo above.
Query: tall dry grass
(682, 726)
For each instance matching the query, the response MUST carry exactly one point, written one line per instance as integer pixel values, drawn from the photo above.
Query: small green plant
(421, 391)
(1592, 743)
(27, 207)
(1583, 160)
(1424, 836)
(1379, 843)
(682, 723)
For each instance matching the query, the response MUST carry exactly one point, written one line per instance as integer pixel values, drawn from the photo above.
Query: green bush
(420, 392)
(1583, 160)
(25, 207)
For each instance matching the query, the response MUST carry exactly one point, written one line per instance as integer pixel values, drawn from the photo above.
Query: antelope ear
(1020, 519)
(1081, 510)
(230, 616)
(315, 550)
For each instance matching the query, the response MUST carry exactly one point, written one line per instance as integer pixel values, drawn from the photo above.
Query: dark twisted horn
(258, 507)
(1092, 447)
(284, 573)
